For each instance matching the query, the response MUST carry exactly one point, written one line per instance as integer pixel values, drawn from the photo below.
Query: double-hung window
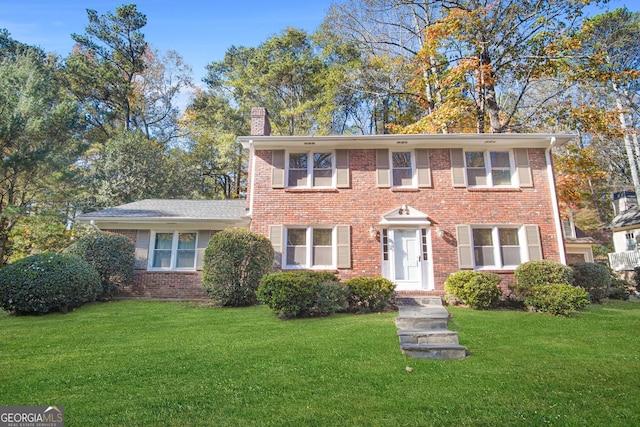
(489, 168)
(402, 169)
(311, 169)
(632, 243)
(174, 251)
(496, 247)
(308, 247)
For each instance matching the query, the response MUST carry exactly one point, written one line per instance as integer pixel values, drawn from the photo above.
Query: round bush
(370, 294)
(557, 298)
(593, 278)
(294, 293)
(477, 289)
(331, 297)
(48, 282)
(234, 262)
(619, 288)
(111, 255)
(539, 272)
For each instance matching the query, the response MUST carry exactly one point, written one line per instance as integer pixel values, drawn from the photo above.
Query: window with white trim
(311, 169)
(402, 169)
(632, 243)
(489, 168)
(497, 247)
(309, 247)
(173, 250)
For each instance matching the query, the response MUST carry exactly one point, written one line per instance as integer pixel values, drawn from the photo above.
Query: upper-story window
(402, 169)
(310, 169)
(632, 243)
(489, 168)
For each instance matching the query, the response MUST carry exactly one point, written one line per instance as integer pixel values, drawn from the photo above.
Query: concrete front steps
(422, 329)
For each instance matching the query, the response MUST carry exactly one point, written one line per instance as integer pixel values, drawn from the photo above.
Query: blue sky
(200, 31)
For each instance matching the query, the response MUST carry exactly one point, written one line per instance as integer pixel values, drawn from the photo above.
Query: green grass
(135, 363)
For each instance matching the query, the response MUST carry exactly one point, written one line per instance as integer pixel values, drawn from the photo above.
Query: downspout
(93, 224)
(252, 169)
(554, 202)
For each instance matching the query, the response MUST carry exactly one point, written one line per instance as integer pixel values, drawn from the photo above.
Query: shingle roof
(627, 218)
(176, 209)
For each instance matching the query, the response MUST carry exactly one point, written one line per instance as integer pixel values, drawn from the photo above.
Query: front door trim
(403, 219)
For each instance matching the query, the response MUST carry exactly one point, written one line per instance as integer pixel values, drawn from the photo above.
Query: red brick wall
(183, 285)
(362, 206)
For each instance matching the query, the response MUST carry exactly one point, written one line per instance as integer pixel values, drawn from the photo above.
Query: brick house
(170, 237)
(410, 208)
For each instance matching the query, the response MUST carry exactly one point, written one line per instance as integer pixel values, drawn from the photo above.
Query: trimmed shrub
(370, 294)
(539, 272)
(331, 297)
(557, 298)
(593, 278)
(619, 288)
(48, 282)
(477, 289)
(111, 255)
(455, 283)
(234, 262)
(295, 293)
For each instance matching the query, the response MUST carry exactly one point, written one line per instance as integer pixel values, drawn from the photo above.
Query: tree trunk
(627, 141)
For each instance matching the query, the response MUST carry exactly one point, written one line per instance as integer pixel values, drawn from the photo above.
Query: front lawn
(133, 363)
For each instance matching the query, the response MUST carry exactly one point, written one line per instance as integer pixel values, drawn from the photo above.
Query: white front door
(407, 263)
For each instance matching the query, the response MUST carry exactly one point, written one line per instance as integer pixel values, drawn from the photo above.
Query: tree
(132, 167)
(10, 48)
(214, 161)
(388, 34)
(475, 61)
(155, 91)
(38, 139)
(283, 74)
(608, 58)
(104, 65)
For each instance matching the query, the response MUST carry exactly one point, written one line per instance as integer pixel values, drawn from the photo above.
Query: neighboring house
(170, 238)
(625, 227)
(411, 208)
(578, 246)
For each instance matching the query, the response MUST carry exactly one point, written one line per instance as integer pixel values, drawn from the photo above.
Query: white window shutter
(465, 247)
(342, 169)
(275, 236)
(142, 249)
(277, 172)
(534, 244)
(457, 167)
(423, 166)
(343, 244)
(523, 170)
(382, 168)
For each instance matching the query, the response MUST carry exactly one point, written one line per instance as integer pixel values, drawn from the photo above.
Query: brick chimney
(260, 125)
